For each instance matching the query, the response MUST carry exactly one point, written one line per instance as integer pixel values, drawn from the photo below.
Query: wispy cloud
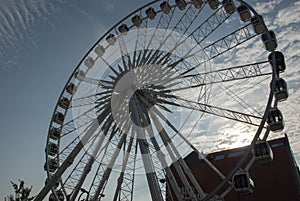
(266, 7)
(289, 15)
(286, 23)
(17, 19)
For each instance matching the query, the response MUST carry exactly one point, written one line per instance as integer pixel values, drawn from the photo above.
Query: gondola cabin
(150, 12)
(64, 103)
(281, 91)
(59, 195)
(229, 6)
(279, 61)
(181, 4)
(257, 24)
(242, 183)
(244, 13)
(53, 165)
(197, 3)
(213, 4)
(71, 88)
(263, 152)
(59, 118)
(79, 75)
(52, 149)
(100, 50)
(89, 62)
(54, 133)
(111, 39)
(123, 29)
(270, 43)
(165, 7)
(275, 120)
(136, 20)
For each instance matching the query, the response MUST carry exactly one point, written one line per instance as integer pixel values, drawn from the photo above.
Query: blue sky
(41, 42)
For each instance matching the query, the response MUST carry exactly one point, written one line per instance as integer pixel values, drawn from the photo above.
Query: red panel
(277, 181)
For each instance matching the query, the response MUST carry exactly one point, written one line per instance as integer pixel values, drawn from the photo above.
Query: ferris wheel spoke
(155, 56)
(161, 27)
(102, 102)
(103, 98)
(109, 167)
(124, 190)
(149, 166)
(123, 169)
(201, 32)
(103, 83)
(87, 166)
(140, 41)
(182, 26)
(63, 154)
(71, 181)
(109, 66)
(148, 93)
(218, 111)
(222, 45)
(160, 166)
(108, 125)
(147, 57)
(165, 59)
(96, 179)
(103, 93)
(85, 118)
(124, 52)
(240, 100)
(187, 19)
(80, 121)
(104, 109)
(143, 57)
(160, 102)
(74, 176)
(83, 101)
(207, 27)
(224, 75)
(168, 173)
(180, 166)
(230, 74)
(200, 155)
(103, 157)
(127, 178)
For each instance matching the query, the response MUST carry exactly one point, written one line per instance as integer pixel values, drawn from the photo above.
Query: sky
(42, 41)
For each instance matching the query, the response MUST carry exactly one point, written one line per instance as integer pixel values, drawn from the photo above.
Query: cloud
(110, 5)
(266, 7)
(289, 15)
(287, 25)
(17, 19)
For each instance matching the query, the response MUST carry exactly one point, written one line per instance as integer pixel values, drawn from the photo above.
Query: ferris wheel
(171, 78)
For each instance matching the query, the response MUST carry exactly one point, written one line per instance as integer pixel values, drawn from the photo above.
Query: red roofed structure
(276, 181)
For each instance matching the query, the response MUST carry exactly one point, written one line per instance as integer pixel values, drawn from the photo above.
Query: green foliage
(22, 193)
